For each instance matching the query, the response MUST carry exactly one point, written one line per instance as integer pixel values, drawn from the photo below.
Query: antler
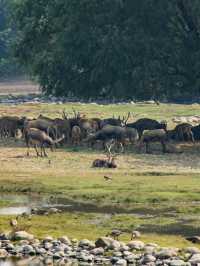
(76, 114)
(125, 119)
(109, 146)
(64, 115)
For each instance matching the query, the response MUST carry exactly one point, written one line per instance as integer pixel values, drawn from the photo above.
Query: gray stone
(192, 250)
(65, 240)
(22, 235)
(121, 262)
(195, 259)
(3, 254)
(97, 251)
(107, 242)
(137, 245)
(166, 253)
(148, 259)
(177, 262)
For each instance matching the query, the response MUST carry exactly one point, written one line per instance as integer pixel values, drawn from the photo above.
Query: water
(19, 204)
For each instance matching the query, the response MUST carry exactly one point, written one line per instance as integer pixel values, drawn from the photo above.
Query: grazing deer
(37, 137)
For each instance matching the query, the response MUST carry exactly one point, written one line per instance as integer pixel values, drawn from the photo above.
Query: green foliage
(114, 48)
(8, 64)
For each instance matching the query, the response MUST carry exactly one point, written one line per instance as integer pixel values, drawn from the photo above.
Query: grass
(159, 194)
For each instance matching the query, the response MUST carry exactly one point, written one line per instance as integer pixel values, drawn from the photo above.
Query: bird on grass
(107, 178)
(135, 234)
(14, 223)
(115, 234)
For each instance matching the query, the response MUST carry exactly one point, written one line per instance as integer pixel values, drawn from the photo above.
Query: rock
(86, 243)
(166, 253)
(21, 235)
(121, 262)
(28, 249)
(123, 247)
(148, 259)
(48, 245)
(97, 251)
(48, 261)
(107, 242)
(137, 245)
(53, 210)
(48, 239)
(195, 259)
(177, 262)
(65, 240)
(3, 254)
(192, 250)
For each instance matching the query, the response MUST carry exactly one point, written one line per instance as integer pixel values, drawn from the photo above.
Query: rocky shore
(104, 251)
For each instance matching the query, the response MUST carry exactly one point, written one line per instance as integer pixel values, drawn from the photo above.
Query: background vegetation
(110, 48)
(8, 63)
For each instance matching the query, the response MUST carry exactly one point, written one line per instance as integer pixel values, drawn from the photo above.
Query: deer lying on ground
(37, 137)
(110, 161)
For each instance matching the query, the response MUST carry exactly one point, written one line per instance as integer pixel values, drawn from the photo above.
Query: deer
(76, 135)
(37, 137)
(110, 161)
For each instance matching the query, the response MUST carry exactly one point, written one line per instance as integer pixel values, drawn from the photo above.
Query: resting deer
(109, 162)
(37, 137)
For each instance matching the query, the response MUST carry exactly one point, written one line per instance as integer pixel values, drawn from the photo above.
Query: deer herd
(113, 133)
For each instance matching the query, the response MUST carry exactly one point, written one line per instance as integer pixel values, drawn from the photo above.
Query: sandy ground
(18, 86)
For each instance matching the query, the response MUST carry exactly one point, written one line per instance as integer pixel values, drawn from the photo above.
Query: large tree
(118, 48)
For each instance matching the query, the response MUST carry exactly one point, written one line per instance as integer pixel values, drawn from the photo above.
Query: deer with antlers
(110, 161)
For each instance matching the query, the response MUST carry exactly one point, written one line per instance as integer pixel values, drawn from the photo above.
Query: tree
(8, 65)
(117, 48)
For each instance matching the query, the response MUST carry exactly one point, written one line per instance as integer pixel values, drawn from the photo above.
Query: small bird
(107, 178)
(115, 234)
(135, 234)
(13, 223)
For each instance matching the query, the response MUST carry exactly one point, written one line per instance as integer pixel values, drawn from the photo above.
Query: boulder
(137, 245)
(166, 253)
(195, 259)
(3, 253)
(65, 240)
(192, 250)
(177, 262)
(21, 235)
(107, 242)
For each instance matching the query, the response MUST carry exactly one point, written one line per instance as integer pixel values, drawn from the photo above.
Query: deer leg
(35, 146)
(163, 146)
(192, 136)
(121, 146)
(28, 148)
(147, 147)
(45, 154)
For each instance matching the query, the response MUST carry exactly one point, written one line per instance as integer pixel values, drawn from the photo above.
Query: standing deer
(37, 137)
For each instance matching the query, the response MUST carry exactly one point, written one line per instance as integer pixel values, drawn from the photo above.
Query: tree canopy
(8, 64)
(111, 48)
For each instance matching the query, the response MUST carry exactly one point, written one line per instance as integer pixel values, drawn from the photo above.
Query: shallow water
(19, 204)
